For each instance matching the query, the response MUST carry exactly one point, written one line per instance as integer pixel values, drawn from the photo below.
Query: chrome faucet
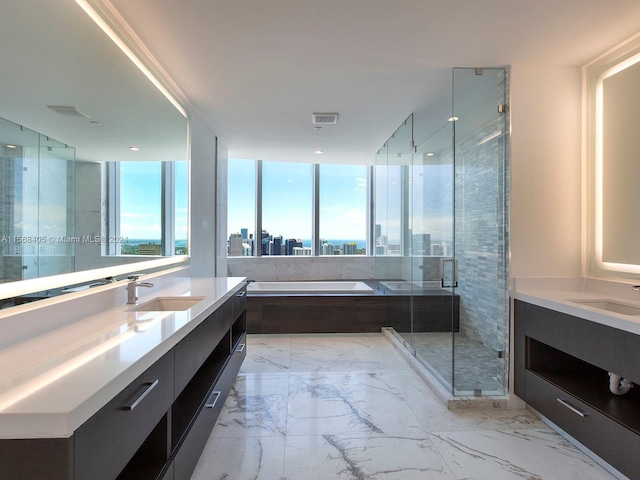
(132, 288)
(636, 287)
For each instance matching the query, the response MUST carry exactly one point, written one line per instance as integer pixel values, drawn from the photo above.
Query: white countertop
(52, 383)
(560, 294)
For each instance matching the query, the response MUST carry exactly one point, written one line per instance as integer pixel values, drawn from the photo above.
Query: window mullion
(315, 211)
(257, 241)
(113, 207)
(167, 213)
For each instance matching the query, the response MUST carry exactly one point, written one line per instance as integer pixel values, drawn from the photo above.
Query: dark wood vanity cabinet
(562, 364)
(156, 428)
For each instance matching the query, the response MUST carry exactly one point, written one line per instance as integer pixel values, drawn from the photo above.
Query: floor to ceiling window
(297, 208)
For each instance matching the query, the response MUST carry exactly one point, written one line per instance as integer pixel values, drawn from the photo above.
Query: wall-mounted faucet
(132, 288)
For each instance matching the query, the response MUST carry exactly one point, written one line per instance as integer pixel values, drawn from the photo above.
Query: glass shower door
(480, 224)
(431, 224)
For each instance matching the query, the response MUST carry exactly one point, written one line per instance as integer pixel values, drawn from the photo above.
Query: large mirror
(93, 157)
(614, 148)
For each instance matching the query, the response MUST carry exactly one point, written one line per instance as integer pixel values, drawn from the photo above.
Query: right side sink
(610, 306)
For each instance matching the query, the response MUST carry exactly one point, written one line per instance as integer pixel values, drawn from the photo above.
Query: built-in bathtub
(346, 287)
(347, 307)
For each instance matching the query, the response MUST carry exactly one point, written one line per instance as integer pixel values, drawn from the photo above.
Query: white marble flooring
(349, 407)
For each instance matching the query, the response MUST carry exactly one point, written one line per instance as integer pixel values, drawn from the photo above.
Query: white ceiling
(256, 70)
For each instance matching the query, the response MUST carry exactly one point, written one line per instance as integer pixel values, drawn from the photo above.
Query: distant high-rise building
(235, 245)
(306, 251)
(327, 249)
(442, 249)
(378, 230)
(245, 233)
(290, 244)
(422, 244)
(265, 240)
(276, 245)
(350, 248)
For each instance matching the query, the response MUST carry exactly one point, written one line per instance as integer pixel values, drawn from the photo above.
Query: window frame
(167, 210)
(315, 211)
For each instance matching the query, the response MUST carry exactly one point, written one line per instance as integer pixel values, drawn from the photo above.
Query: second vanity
(125, 392)
(569, 335)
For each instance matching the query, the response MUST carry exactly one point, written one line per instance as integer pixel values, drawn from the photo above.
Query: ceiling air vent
(325, 118)
(68, 111)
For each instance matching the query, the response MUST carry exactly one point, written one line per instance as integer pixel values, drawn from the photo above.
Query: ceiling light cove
(319, 152)
(134, 149)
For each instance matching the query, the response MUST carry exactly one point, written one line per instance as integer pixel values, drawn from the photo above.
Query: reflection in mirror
(37, 175)
(615, 98)
(112, 189)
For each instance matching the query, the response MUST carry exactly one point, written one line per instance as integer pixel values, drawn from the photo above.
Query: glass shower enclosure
(441, 227)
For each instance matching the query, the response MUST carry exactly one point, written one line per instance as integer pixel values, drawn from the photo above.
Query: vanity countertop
(52, 383)
(562, 295)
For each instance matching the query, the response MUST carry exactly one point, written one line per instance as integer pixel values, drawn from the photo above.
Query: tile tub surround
(349, 407)
(53, 382)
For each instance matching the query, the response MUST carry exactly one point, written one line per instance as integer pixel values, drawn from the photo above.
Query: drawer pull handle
(241, 294)
(571, 407)
(211, 402)
(240, 348)
(148, 387)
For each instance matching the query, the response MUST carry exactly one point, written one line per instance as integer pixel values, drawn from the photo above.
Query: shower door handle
(448, 266)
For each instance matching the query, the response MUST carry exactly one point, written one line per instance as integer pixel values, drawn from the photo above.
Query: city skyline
(287, 199)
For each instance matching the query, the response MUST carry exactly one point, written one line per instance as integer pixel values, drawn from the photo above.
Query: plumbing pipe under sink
(619, 385)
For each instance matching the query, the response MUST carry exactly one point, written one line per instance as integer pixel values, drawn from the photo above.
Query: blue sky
(140, 200)
(287, 199)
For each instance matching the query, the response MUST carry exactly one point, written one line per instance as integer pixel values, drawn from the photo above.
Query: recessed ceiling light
(11, 146)
(94, 123)
(134, 149)
(317, 127)
(430, 154)
(454, 119)
(319, 152)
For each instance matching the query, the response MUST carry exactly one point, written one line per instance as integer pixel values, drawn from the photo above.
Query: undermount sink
(610, 306)
(167, 304)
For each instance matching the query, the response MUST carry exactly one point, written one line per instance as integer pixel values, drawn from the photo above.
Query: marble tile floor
(349, 407)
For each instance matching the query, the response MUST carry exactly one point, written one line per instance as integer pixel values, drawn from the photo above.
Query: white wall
(202, 198)
(546, 173)
(222, 181)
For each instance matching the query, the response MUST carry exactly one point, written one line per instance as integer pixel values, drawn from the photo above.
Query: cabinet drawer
(611, 441)
(239, 302)
(191, 449)
(193, 350)
(187, 457)
(105, 443)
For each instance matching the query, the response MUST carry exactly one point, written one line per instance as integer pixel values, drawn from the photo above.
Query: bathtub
(344, 307)
(345, 287)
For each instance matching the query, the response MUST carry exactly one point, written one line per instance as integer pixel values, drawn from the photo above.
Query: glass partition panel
(37, 229)
(481, 195)
(435, 307)
(392, 228)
